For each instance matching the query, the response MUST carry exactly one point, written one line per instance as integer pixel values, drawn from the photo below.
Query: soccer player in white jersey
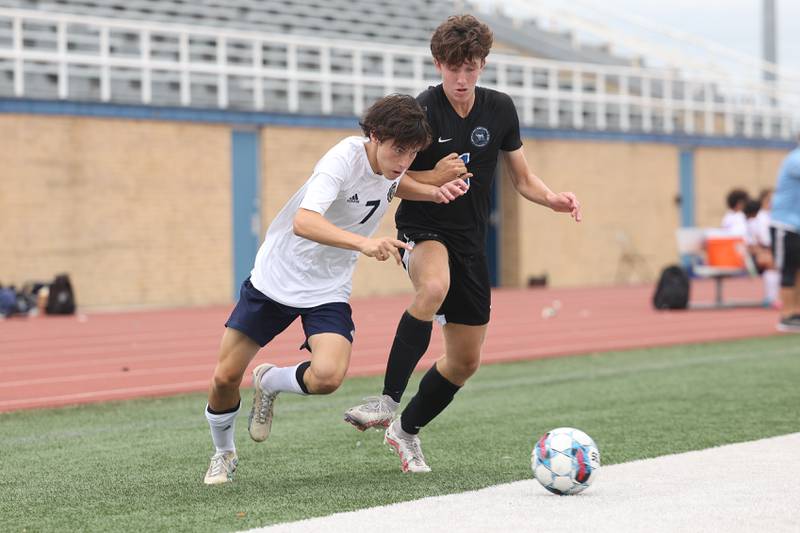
(304, 269)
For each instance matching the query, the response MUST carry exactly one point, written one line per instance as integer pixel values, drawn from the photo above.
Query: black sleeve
(419, 163)
(511, 140)
(422, 161)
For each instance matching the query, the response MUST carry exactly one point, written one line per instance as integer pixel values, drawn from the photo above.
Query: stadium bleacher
(336, 56)
(411, 22)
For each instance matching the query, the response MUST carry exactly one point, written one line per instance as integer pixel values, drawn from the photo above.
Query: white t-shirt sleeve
(327, 182)
(322, 190)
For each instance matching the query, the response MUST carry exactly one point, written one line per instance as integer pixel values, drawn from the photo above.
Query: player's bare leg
(428, 267)
(236, 352)
(330, 357)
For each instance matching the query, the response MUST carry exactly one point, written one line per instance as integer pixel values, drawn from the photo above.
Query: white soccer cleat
(376, 411)
(260, 421)
(407, 447)
(221, 469)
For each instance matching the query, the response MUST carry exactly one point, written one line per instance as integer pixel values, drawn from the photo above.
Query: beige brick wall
(627, 192)
(138, 212)
(288, 157)
(718, 170)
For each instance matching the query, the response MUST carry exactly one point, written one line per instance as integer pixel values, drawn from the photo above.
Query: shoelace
(416, 451)
(263, 407)
(377, 403)
(217, 464)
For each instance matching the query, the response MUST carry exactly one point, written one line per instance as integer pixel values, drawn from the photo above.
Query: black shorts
(786, 251)
(262, 318)
(469, 299)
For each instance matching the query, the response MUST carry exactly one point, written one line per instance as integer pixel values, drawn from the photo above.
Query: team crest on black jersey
(392, 190)
(480, 137)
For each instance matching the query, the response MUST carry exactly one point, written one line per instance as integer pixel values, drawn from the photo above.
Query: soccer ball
(565, 461)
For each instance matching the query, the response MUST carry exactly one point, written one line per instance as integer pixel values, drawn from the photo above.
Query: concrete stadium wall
(139, 211)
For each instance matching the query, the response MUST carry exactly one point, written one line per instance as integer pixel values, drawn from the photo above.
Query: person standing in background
(785, 234)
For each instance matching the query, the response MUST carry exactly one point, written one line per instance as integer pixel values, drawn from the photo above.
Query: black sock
(435, 393)
(410, 342)
(301, 370)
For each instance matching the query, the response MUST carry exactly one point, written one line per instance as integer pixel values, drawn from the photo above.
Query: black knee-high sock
(410, 342)
(299, 373)
(435, 393)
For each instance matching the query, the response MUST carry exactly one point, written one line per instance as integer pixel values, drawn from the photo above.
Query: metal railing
(70, 57)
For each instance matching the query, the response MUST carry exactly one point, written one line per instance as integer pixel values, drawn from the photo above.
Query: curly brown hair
(400, 118)
(460, 39)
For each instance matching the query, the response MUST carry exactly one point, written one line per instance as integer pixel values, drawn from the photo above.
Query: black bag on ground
(672, 291)
(61, 300)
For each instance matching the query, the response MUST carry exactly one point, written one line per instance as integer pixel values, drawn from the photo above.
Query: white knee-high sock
(222, 428)
(283, 379)
(772, 285)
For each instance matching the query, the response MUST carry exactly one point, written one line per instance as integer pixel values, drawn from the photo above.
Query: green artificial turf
(138, 465)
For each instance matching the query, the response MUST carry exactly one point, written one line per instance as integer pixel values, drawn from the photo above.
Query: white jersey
(299, 272)
(735, 223)
(758, 229)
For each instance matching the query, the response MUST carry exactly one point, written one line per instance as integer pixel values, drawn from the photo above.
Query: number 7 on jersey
(374, 204)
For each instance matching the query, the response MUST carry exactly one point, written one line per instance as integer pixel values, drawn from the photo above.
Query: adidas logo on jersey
(353, 199)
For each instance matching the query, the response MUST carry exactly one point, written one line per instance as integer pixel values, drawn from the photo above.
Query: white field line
(736, 488)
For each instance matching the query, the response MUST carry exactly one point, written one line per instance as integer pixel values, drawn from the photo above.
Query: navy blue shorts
(262, 319)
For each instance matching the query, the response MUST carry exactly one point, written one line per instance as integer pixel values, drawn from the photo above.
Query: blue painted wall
(246, 210)
(686, 188)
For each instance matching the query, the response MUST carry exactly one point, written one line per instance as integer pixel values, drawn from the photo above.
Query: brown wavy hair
(459, 39)
(398, 117)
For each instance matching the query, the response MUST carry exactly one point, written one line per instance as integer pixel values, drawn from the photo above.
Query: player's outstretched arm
(447, 169)
(313, 226)
(530, 186)
(411, 189)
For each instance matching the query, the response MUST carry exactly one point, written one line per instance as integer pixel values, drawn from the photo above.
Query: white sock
(282, 379)
(772, 285)
(222, 429)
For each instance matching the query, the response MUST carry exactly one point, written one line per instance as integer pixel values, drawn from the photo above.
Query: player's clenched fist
(451, 167)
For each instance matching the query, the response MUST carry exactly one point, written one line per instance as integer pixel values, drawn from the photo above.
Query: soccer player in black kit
(448, 267)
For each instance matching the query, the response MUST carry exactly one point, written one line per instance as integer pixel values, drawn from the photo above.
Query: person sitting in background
(759, 229)
(763, 218)
(734, 221)
(759, 251)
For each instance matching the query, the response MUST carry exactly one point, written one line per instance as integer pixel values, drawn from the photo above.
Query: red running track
(55, 361)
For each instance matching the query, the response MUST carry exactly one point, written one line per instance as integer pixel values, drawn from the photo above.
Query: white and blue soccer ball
(565, 461)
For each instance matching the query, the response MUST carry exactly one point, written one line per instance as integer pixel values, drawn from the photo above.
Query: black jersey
(492, 125)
